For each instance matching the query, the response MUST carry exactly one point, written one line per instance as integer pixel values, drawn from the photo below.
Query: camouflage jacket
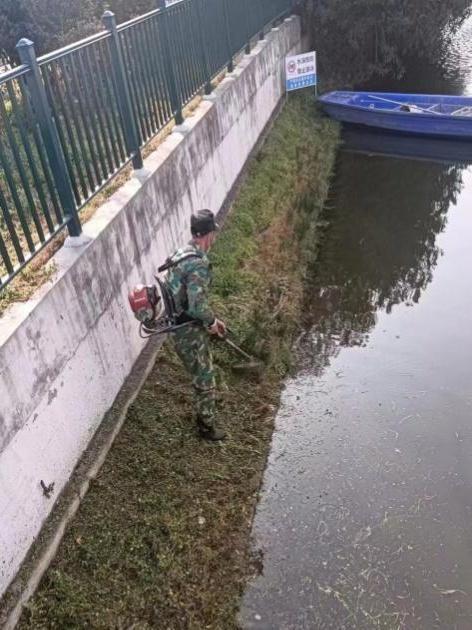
(190, 281)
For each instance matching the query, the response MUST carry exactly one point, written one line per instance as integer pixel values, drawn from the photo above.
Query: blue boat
(419, 114)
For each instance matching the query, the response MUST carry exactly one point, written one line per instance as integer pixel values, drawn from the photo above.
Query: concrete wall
(65, 354)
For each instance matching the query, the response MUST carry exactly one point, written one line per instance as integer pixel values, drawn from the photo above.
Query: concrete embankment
(65, 354)
(162, 538)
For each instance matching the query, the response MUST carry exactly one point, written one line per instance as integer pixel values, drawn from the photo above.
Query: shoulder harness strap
(170, 263)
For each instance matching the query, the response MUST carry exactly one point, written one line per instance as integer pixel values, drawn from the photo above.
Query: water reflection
(364, 521)
(456, 64)
(450, 74)
(379, 249)
(372, 143)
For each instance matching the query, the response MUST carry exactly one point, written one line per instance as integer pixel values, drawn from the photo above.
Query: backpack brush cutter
(154, 308)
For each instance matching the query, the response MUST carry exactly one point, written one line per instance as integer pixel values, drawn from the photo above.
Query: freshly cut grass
(162, 538)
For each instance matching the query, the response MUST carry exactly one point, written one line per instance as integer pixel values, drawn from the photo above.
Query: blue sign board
(301, 71)
(309, 80)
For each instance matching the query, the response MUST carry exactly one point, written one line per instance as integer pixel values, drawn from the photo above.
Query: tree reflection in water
(379, 248)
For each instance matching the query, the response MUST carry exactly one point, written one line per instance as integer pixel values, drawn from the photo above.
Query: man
(189, 279)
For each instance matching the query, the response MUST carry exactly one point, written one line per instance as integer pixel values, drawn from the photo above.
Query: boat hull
(385, 143)
(423, 124)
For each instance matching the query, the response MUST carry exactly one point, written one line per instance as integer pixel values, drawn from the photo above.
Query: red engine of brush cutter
(143, 301)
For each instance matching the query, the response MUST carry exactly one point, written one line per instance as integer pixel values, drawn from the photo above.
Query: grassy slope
(162, 539)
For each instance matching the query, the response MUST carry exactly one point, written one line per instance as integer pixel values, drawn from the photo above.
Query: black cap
(203, 223)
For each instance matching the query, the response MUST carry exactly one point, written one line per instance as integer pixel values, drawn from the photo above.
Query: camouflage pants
(193, 347)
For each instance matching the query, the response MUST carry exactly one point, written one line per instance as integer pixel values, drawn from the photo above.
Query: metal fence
(71, 120)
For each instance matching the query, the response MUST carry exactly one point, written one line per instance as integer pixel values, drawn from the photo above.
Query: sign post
(300, 72)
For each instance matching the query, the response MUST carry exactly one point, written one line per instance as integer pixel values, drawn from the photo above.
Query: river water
(365, 519)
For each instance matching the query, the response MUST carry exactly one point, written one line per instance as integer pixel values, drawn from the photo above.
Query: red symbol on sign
(292, 67)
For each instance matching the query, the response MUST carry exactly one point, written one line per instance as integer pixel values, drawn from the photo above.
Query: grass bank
(162, 538)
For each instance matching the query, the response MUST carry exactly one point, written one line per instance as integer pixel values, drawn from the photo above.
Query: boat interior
(437, 108)
(390, 103)
(417, 104)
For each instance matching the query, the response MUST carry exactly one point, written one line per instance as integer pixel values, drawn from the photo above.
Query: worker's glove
(217, 328)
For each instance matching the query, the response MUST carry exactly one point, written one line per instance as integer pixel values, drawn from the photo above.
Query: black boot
(211, 433)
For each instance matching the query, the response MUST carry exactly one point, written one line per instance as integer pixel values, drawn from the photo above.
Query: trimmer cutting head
(251, 366)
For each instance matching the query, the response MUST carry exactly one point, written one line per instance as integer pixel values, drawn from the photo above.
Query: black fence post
(247, 50)
(40, 105)
(276, 21)
(261, 19)
(228, 36)
(174, 91)
(123, 95)
(206, 62)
